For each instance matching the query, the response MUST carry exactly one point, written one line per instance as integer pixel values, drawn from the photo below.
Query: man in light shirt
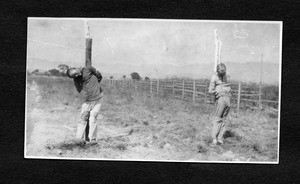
(219, 86)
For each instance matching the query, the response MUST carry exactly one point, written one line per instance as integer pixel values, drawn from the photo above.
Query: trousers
(223, 107)
(87, 126)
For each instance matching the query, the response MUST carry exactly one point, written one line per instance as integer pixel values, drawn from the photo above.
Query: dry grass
(138, 125)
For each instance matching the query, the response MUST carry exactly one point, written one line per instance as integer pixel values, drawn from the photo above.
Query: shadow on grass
(232, 134)
(67, 145)
(118, 143)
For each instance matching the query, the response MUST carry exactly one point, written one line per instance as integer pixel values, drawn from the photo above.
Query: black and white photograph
(166, 90)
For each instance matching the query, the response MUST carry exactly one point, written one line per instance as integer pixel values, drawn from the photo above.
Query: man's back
(88, 84)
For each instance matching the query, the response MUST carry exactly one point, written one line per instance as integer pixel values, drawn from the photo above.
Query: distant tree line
(57, 73)
(136, 76)
(52, 72)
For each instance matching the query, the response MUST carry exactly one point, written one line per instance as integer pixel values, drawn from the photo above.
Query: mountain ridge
(247, 72)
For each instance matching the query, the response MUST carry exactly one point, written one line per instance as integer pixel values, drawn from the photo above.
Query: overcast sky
(150, 41)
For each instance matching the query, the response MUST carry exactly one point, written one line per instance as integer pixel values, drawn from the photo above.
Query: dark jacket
(88, 84)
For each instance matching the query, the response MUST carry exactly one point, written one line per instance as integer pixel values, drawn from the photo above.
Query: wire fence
(243, 96)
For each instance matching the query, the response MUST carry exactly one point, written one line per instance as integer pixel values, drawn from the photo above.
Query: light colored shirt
(220, 86)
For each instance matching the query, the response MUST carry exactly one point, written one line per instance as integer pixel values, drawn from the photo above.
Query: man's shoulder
(87, 69)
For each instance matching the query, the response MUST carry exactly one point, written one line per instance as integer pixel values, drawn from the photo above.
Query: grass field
(137, 125)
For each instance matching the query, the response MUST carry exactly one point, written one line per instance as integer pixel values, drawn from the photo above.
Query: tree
(111, 77)
(147, 78)
(135, 76)
(124, 76)
(54, 72)
(63, 74)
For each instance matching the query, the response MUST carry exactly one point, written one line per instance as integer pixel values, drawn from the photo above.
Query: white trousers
(87, 126)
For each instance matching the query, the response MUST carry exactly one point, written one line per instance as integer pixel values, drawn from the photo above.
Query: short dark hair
(220, 65)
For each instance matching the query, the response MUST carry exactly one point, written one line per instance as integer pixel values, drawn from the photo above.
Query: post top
(87, 29)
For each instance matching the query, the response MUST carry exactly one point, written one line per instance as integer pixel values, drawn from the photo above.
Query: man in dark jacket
(87, 81)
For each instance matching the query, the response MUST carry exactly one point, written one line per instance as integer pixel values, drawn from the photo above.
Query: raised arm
(212, 85)
(95, 72)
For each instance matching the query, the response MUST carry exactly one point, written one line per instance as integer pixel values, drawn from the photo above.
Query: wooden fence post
(173, 87)
(205, 92)
(239, 97)
(141, 85)
(182, 89)
(259, 97)
(260, 82)
(194, 91)
(157, 86)
(150, 85)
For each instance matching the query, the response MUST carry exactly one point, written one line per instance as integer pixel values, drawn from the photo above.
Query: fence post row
(142, 85)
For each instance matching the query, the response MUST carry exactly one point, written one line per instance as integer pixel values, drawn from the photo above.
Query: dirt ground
(135, 125)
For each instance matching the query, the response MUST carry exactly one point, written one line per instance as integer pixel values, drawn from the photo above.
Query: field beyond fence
(253, 96)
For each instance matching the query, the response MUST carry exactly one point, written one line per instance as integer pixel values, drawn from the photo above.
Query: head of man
(74, 72)
(221, 69)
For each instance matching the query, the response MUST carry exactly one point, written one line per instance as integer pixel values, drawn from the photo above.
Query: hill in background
(247, 72)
